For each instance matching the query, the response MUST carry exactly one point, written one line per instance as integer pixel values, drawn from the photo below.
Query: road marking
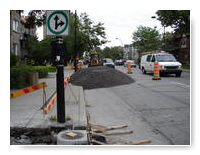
(187, 86)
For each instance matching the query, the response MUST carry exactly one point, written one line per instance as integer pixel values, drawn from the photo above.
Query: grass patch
(68, 118)
(186, 67)
(52, 118)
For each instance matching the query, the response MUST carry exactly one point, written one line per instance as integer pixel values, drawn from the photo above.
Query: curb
(186, 70)
(82, 122)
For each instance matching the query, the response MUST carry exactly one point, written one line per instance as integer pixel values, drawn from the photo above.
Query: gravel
(99, 77)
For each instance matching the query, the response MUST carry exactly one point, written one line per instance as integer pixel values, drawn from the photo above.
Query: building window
(15, 25)
(15, 49)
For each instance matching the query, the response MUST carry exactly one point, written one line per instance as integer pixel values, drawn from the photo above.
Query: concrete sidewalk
(112, 111)
(25, 110)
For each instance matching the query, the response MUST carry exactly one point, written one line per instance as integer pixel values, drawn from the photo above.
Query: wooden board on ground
(118, 133)
(138, 142)
(101, 128)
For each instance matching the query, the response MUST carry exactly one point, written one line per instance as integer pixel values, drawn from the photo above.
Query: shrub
(42, 71)
(51, 68)
(13, 59)
(18, 78)
(19, 75)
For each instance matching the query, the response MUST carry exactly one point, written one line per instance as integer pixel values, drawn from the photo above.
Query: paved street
(155, 110)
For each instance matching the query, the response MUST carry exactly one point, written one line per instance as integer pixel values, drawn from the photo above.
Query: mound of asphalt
(99, 77)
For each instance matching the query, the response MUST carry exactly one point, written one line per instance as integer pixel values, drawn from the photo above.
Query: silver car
(108, 62)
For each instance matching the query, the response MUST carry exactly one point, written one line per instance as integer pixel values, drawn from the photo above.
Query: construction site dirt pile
(99, 77)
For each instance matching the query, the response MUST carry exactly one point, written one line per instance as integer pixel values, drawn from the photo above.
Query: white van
(168, 63)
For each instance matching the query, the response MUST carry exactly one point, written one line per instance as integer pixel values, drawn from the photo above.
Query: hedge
(42, 71)
(51, 68)
(19, 76)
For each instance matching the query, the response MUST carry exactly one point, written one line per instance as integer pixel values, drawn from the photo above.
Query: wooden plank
(98, 134)
(118, 133)
(116, 127)
(28, 90)
(98, 128)
(139, 142)
(101, 128)
(98, 142)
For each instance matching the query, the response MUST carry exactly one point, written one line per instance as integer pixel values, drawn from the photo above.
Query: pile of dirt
(99, 77)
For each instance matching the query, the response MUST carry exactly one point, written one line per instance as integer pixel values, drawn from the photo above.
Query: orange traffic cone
(156, 72)
(129, 69)
(79, 65)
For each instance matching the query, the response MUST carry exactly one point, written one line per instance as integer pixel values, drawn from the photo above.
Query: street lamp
(122, 47)
(154, 17)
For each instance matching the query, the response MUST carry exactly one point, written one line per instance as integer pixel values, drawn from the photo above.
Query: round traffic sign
(57, 22)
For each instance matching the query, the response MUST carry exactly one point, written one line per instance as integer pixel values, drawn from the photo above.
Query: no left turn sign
(57, 23)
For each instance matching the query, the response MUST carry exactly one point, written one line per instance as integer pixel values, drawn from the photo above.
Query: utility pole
(164, 39)
(75, 43)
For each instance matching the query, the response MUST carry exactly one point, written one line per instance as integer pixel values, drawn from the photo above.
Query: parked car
(108, 62)
(117, 62)
(120, 62)
(132, 63)
(168, 63)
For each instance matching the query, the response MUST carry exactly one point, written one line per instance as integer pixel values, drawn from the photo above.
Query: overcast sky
(120, 24)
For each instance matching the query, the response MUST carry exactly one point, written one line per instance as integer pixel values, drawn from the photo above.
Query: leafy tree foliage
(93, 35)
(177, 19)
(35, 18)
(114, 53)
(39, 52)
(146, 39)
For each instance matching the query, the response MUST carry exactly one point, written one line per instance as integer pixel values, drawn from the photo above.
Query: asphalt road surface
(158, 110)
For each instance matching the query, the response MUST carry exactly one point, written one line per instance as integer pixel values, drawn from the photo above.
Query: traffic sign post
(57, 24)
(60, 82)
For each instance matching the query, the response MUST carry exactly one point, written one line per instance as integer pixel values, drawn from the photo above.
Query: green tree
(179, 20)
(146, 39)
(88, 37)
(31, 45)
(35, 18)
(39, 52)
(93, 34)
(112, 52)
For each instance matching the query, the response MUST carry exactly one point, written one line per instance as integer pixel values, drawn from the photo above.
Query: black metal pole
(60, 82)
(75, 43)
(164, 39)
